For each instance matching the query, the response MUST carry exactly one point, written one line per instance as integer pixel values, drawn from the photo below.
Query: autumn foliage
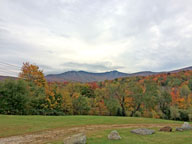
(31, 73)
(166, 95)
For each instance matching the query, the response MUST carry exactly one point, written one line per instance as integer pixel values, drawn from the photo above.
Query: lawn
(100, 137)
(9, 125)
(17, 125)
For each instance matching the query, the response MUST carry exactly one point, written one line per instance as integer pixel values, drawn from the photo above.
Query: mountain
(6, 77)
(182, 69)
(83, 76)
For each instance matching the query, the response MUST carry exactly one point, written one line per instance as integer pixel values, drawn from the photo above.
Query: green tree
(87, 91)
(176, 82)
(113, 106)
(36, 99)
(164, 101)
(185, 91)
(81, 105)
(14, 97)
(174, 111)
(137, 95)
(117, 90)
(190, 84)
(150, 98)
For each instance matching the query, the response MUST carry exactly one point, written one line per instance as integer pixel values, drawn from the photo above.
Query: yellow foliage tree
(31, 73)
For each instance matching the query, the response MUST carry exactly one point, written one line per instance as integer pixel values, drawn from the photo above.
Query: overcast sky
(95, 35)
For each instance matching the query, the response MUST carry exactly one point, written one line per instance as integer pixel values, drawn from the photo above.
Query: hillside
(83, 76)
(165, 95)
(6, 77)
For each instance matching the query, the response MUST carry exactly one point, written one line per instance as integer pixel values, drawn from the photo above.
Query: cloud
(104, 66)
(97, 35)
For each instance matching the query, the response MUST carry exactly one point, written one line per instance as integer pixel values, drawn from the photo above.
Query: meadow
(11, 125)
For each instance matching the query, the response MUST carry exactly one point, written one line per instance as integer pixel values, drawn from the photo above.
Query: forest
(165, 96)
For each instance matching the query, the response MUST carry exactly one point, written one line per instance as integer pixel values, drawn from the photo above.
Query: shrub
(137, 114)
(184, 115)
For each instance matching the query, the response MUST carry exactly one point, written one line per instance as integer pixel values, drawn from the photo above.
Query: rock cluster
(185, 126)
(114, 135)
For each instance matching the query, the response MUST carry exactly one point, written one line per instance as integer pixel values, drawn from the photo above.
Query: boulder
(143, 131)
(166, 129)
(186, 126)
(76, 139)
(114, 135)
(179, 129)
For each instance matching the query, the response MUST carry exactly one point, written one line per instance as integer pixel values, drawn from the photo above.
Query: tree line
(166, 96)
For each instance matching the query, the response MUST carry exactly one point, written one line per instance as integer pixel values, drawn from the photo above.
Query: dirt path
(50, 135)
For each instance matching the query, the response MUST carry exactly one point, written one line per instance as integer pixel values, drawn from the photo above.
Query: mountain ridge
(84, 76)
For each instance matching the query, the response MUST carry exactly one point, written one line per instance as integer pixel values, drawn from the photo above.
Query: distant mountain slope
(182, 69)
(6, 77)
(83, 76)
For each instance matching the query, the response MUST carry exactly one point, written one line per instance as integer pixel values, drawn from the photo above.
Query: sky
(95, 35)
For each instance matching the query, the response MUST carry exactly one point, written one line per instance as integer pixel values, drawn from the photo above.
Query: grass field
(100, 137)
(18, 125)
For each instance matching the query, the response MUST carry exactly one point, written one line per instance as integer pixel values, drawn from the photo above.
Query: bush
(137, 114)
(190, 114)
(184, 115)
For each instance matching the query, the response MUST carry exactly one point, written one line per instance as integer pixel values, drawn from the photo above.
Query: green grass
(15, 125)
(100, 137)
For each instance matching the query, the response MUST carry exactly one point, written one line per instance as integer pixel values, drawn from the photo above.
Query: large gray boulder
(114, 135)
(76, 139)
(143, 131)
(186, 126)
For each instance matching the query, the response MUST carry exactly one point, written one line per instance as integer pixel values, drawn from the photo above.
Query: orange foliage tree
(31, 73)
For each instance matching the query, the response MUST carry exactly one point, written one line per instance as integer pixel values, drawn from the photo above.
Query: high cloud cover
(96, 35)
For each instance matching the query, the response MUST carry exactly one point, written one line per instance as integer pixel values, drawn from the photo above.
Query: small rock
(114, 135)
(166, 129)
(143, 131)
(179, 129)
(76, 139)
(186, 126)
